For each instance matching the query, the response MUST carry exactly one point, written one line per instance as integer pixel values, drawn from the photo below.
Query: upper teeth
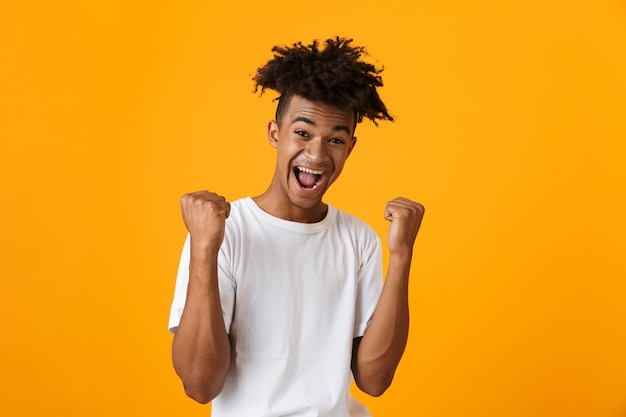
(310, 171)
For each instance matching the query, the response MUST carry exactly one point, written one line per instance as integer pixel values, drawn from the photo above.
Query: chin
(305, 204)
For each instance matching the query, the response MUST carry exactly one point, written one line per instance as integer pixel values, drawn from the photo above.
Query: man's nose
(316, 150)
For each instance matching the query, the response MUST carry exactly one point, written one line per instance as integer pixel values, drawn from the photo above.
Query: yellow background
(510, 130)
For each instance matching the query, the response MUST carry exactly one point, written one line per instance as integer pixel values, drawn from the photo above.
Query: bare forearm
(201, 349)
(382, 345)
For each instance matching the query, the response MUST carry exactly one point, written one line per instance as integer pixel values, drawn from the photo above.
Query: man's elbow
(202, 383)
(202, 387)
(375, 386)
(203, 393)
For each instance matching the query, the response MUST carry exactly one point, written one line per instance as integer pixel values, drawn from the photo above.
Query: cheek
(287, 153)
(340, 159)
(283, 160)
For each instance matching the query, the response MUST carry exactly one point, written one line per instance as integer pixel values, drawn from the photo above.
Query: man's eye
(338, 141)
(301, 133)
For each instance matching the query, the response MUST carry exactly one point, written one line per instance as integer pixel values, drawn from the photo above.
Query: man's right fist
(205, 215)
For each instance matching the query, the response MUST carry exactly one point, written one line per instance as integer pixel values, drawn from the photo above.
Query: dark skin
(315, 138)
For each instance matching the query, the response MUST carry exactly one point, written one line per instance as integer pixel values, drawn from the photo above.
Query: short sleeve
(227, 283)
(180, 291)
(370, 283)
(226, 287)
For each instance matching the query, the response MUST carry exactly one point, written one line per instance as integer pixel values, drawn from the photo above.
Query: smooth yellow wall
(510, 129)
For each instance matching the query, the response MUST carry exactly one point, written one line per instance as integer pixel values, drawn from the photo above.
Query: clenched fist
(205, 214)
(405, 217)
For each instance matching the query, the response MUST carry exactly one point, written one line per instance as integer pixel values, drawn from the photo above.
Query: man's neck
(282, 208)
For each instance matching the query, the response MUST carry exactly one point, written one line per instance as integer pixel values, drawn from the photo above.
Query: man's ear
(272, 133)
(352, 145)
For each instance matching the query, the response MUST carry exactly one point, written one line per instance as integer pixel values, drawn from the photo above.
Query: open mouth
(308, 179)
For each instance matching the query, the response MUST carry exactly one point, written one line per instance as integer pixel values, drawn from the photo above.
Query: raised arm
(376, 355)
(201, 348)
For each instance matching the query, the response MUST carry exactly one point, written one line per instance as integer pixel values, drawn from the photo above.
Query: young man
(279, 299)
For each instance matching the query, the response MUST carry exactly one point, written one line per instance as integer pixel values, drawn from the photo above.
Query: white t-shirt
(294, 296)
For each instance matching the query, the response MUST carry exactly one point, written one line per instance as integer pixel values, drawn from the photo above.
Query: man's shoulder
(349, 217)
(353, 222)
(239, 209)
(240, 204)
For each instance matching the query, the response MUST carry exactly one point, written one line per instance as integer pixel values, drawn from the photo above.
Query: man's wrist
(203, 248)
(401, 255)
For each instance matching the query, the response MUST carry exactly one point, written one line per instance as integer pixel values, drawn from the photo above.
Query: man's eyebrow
(303, 119)
(312, 123)
(342, 128)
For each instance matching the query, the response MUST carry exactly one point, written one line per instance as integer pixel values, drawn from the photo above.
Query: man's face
(313, 141)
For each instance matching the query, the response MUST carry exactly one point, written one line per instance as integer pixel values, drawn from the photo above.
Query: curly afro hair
(334, 75)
